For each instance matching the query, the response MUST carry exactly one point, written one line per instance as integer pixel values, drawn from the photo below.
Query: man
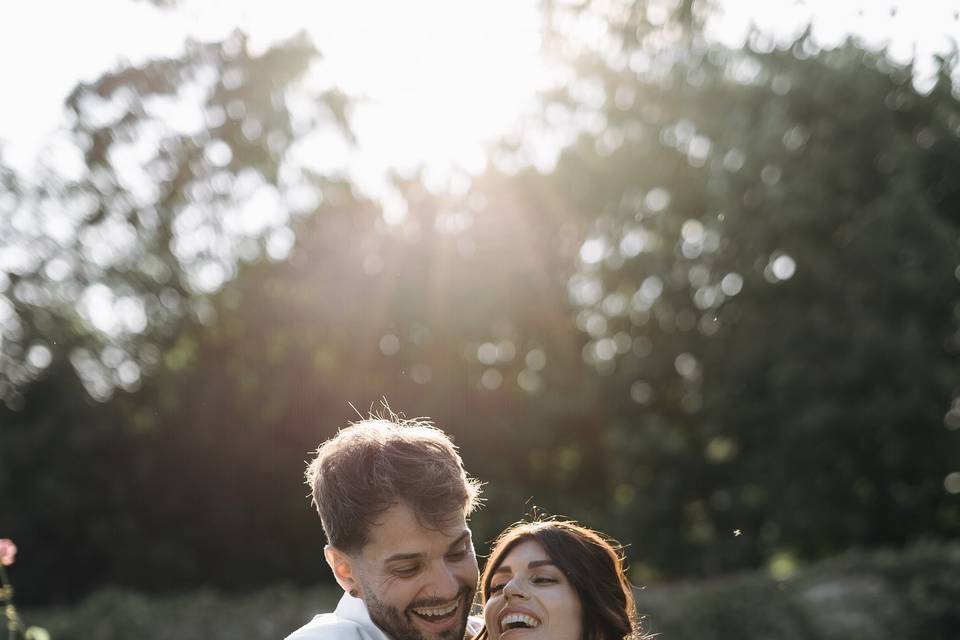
(393, 499)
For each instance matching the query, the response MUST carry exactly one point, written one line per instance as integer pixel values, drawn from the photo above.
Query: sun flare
(437, 79)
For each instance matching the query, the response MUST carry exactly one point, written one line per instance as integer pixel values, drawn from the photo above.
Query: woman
(556, 580)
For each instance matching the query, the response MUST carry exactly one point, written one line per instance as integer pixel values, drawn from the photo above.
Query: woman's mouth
(516, 621)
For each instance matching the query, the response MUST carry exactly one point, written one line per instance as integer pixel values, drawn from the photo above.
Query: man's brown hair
(374, 464)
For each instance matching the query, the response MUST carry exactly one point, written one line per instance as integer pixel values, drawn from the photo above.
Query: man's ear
(342, 566)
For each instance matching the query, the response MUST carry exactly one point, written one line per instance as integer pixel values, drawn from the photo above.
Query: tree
(170, 175)
(728, 306)
(768, 284)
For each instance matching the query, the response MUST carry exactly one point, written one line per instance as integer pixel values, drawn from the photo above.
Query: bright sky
(904, 25)
(441, 76)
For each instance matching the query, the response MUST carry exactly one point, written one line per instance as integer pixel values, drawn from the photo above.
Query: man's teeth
(518, 620)
(436, 612)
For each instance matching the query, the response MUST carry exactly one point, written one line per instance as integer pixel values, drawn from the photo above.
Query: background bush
(731, 305)
(889, 595)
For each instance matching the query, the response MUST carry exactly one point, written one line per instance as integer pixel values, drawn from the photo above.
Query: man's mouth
(437, 614)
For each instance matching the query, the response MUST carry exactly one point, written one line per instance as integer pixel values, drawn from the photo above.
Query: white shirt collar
(355, 610)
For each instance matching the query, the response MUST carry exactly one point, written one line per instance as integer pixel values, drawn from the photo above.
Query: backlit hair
(593, 565)
(375, 464)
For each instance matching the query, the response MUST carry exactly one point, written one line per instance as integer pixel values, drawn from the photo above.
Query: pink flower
(8, 551)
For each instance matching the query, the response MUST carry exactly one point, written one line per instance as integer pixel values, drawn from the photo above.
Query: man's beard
(399, 625)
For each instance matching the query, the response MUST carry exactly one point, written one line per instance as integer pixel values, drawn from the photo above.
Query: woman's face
(531, 599)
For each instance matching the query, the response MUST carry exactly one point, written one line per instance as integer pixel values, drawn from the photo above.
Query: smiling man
(393, 499)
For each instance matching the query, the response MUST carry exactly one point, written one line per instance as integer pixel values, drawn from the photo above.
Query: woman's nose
(513, 589)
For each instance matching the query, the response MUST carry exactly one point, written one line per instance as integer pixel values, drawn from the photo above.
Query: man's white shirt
(350, 621)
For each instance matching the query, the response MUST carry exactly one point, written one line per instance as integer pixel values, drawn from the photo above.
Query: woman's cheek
(489, 616)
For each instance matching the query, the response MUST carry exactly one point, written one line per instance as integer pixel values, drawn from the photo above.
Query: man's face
(417, 583)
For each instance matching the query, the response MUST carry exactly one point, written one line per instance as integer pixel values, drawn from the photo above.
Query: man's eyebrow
(397, 557)
(403, 556)
(532, 565)
(464, 537)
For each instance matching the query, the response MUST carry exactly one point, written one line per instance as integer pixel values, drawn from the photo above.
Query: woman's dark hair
(592, 562)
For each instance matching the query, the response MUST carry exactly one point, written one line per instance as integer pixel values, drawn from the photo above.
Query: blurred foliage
(769, 287)
(730, 305)
(904, 594)
(113, 613)
(881, 596)
(170, 174)
(190, 169)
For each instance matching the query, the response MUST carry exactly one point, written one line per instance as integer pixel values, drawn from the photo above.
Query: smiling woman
(556, 580)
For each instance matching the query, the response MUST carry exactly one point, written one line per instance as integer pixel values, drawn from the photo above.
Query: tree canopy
(722, 326)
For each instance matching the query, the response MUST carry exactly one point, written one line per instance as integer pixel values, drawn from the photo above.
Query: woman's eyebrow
(533, 565)
(541, 563)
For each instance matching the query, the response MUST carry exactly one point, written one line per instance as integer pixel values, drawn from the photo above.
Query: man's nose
(443, 582)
